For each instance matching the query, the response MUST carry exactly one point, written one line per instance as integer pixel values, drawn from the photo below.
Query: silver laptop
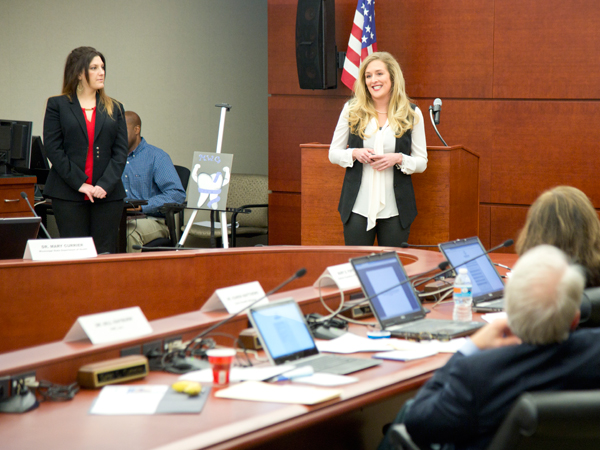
(14, 234)
(488, 287)
(286, 339)
(396, 304)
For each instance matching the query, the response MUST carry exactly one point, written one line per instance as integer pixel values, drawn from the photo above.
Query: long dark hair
(78, 61)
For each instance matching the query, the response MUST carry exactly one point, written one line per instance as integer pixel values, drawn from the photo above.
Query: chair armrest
(400, 438)
(169, 210)
(234, 217)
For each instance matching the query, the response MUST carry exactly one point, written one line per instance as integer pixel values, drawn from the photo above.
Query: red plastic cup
(221, 359)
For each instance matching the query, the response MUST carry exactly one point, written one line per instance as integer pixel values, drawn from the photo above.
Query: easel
(224, 234)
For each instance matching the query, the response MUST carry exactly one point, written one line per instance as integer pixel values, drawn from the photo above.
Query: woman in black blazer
(85, 136)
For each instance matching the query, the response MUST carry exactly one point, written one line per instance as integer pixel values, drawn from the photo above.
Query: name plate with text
(110, 326)
(60, 249)
(342, 275)
(235, 298)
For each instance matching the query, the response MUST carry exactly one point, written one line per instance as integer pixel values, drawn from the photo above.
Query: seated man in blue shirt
(149, 175)
(536, 349)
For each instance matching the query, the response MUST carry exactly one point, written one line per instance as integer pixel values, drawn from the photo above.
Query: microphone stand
(407, 245)
(179, 355)
(434, 127)
(24, 195)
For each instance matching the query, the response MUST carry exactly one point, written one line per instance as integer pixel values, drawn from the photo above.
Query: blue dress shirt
(150, 175)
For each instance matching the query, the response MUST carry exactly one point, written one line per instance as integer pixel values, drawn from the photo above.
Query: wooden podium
(447, 195)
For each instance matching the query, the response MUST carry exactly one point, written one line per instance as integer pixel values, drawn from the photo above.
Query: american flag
(362, 41)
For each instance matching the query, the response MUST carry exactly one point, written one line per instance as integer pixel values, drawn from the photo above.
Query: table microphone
(142, 247)
(24, 195)
(182, 353)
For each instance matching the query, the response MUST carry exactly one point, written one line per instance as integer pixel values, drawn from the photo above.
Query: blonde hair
(565, 218)
(78, 61)
(401, 116)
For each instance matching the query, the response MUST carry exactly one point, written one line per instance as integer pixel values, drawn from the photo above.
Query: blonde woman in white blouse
(380, 140)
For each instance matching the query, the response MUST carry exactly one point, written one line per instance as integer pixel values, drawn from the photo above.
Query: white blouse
(376, 199)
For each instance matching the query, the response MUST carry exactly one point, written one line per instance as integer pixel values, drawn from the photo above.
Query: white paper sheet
(120, 400)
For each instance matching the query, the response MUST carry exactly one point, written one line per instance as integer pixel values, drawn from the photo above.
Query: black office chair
(590, 308)
(249, 192)
(551, 420)
(173, 215)
(539, 421)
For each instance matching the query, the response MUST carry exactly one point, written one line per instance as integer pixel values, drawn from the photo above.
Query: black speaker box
(315, 44)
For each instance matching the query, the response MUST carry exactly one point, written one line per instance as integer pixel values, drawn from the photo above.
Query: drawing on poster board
(211, 173)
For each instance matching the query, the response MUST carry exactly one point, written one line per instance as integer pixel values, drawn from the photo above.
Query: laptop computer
(14, 234)
(286, 339)
(488, 287)
(397, 306)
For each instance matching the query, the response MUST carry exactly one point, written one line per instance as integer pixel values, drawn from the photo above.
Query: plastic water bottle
(462, 296)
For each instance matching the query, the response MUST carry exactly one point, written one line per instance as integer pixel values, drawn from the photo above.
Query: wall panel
(547, 49)
(445, 48)
(506, 223)
(538, 145)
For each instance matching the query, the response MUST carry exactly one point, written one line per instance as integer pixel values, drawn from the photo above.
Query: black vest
(403, 188)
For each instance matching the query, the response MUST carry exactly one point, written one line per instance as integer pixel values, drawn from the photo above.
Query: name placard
(110, 326)
(342, 275)
(60, 249)
(235, 298)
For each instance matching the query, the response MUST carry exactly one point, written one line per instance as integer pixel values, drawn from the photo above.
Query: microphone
(143, 247)
(182, 353)
(437, 108)
(434, 115)
(406, 245)
(24, 195)
(506, 243)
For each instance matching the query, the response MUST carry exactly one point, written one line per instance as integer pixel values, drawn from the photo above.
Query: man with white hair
(535, 349)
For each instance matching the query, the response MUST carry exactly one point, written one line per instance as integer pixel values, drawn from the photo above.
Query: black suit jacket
(466, 401)
(66, 143)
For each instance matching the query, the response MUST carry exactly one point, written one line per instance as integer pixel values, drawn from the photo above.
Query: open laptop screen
(383, 271)
(487, 283)
(283, 331)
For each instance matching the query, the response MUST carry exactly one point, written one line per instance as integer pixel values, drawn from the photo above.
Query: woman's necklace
(381, 112)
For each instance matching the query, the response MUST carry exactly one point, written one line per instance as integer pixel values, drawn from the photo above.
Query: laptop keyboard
(339, 365)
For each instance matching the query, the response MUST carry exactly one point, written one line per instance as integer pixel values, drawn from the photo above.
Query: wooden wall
(519, 81)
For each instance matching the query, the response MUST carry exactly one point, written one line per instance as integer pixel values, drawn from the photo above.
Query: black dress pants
(389, 232)
(100, 220)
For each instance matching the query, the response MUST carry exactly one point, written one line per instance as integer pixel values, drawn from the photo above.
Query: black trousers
(100, 220)
(389, 232)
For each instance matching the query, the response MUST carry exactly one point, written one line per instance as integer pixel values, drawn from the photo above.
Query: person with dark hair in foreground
(536, 349)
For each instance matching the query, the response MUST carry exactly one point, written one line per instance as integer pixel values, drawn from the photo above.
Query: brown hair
(78, 61)
(565, 218)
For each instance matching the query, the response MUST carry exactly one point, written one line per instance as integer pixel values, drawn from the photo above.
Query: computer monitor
(38, 159)
(15, 145)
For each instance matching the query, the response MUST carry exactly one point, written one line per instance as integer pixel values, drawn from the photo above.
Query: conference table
(351, 422)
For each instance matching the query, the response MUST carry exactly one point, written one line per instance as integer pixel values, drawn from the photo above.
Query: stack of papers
(278, 393)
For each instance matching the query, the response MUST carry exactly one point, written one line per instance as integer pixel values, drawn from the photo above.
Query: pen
(295, 373)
